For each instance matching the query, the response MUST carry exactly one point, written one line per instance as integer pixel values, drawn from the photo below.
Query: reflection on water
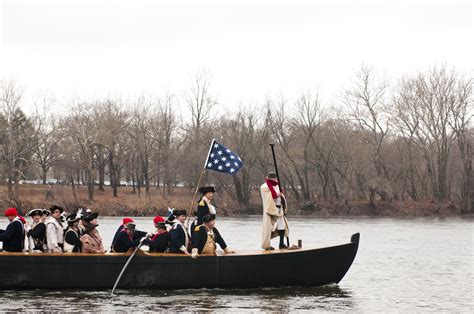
(415, 265)
(268, 299)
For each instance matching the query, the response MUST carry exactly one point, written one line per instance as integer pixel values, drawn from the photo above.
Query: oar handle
(125, 267)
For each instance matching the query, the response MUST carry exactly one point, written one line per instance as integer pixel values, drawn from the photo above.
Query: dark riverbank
(156, 202)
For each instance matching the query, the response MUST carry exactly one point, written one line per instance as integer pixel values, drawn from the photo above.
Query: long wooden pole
(125, 267)
(199, 181)
(194, 197)
(279, 185)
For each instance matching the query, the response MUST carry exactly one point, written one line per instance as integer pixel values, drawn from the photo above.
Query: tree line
(409, 139)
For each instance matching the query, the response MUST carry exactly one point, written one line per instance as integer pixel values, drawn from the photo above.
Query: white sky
(251, 48)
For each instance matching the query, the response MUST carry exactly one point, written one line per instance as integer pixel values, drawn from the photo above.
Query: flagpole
(199, 181)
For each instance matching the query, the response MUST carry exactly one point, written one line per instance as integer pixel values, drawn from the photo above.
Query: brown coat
(91, 241)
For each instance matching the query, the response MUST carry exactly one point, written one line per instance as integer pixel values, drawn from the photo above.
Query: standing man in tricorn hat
(204, 205)
(274, 220)
(36, 231)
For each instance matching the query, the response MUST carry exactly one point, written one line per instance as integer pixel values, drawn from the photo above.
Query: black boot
(282, 239)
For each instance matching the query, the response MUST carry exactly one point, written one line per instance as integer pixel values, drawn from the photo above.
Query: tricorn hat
(55, 207)
(90, 217)
(179, 212)
(46, 212)
(208, 218)
(35, 212)
(72, 218)
(130, 226)
(207, 189)
(161, 225)
(272, 175)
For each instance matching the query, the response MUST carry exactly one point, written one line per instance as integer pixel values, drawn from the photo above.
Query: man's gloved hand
(228, 251)
(142, 240)
(149, 235)
(194, 253)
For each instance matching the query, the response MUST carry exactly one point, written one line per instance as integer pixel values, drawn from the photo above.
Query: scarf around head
(271, 184)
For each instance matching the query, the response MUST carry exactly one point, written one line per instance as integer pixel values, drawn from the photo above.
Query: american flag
(222, 159)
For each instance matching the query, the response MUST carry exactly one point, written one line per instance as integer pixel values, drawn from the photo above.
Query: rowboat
(298, 267)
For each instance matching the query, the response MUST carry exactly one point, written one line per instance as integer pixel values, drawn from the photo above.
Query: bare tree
(81, 127)
(367, 107)
(17, 137)
(46, 148)
(200, 103)
(462, 109)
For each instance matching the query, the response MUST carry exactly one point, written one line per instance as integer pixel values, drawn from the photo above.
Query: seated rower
(206, 236)
(137, 235)
(72, 236)
(13, 237)
(125, 241)
(125, 221)
(36, 232)
(179, 237)
(160, 241)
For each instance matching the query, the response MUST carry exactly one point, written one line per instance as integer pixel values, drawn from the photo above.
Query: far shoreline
(157, 203)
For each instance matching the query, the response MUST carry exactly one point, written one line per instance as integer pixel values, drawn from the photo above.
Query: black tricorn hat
(72, 218)
(46, 212)
(130, 226)
(90, 217)
(272, 175)
(54, 207)
(209, 217)
(161, 225)
(179, 212)
(207, 189)
(34, 212)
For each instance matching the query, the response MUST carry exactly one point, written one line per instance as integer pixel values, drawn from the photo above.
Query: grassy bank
(157, 202)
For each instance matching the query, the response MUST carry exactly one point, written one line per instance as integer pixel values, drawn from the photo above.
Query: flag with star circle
(222, 159)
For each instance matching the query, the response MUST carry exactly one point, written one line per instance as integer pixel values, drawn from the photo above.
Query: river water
(416, 265)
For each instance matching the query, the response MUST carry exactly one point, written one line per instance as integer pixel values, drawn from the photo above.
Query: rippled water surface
(422, 264)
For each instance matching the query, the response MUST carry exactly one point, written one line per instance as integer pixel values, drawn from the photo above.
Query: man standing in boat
(36, 231)
(55, 230)
(72, 236)
(204, 205)
(91, 239)
(179, 241)
(274, 219)
(13, 237)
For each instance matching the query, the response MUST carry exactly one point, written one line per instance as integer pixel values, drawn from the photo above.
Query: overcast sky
(250, 48)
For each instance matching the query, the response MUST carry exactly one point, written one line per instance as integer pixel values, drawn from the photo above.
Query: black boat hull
(314, 267)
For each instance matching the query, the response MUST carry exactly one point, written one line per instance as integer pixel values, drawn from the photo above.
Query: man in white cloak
(274, 209)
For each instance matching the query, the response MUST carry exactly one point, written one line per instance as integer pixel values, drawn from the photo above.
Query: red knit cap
(126, 220)
(158, 219)
(11, 212)
(22, 219)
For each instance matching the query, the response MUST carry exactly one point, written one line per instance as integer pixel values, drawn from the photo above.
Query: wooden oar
(125, 267)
